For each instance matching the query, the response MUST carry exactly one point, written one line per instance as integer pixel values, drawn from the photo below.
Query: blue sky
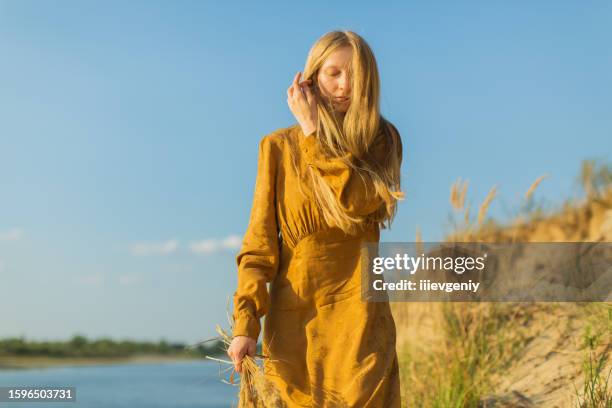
(129, 133)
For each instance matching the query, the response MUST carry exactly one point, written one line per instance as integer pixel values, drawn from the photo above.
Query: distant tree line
(80, 346)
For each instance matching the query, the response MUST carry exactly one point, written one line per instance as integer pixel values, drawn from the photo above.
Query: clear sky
(129, 134)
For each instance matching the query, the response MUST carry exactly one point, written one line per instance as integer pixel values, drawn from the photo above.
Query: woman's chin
(341, 108)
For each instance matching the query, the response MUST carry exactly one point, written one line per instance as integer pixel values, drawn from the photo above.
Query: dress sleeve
(258, 258)
(355, 195)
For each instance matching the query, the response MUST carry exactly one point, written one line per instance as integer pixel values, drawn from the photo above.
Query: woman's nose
(343, 82)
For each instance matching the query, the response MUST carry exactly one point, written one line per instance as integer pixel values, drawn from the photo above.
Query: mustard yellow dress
(328, 348)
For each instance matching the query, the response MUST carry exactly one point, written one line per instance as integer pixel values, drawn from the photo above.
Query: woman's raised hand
(240, 346)
(303, 104)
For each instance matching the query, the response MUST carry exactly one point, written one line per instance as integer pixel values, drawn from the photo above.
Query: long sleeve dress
(327, 347)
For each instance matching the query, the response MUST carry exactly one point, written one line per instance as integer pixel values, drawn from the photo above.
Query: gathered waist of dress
(322, 242)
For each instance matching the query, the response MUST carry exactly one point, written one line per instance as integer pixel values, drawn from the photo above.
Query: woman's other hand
(303, 104)
(240, 346)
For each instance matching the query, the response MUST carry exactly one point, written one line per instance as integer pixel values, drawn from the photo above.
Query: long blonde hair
(361, 128)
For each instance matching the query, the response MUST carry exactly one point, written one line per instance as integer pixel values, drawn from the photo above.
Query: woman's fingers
(237, 360)
(304, 84)
(238, 365)
(233, 355)
(301, 99)
(296, 78)
(252, 348)
(295, 83)
(309, 96)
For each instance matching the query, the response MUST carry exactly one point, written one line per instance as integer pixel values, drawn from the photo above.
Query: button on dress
(326, 347)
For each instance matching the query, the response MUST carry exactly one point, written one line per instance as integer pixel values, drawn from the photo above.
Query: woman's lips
(341, 98)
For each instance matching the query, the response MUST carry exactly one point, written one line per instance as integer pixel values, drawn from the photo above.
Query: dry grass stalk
(535, 185)
(418, 241)
(256, 391)
(586, 176)
(482, 211)
(458, 191)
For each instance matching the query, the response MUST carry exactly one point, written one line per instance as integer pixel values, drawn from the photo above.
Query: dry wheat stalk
(466, 215)
(256, 391)
(482, 211)
(418, 241)
(535, 185)
(458, 191)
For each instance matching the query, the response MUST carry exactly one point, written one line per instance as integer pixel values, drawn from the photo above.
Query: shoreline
(32, 362)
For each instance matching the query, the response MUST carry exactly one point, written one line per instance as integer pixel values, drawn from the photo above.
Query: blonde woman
(324, 187)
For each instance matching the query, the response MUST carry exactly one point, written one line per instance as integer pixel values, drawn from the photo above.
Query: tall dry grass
(453, 354)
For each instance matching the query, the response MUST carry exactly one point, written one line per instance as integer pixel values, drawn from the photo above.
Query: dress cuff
(245, 324)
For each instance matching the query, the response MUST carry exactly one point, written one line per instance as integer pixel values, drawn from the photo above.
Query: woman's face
(334, 80)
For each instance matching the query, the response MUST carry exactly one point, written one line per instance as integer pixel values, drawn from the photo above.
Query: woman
(327, 185)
